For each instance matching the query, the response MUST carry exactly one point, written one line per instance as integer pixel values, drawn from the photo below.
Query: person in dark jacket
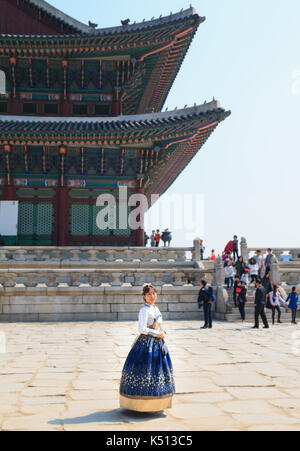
(242, 299)
(266, 282)
(239, 267)
(235, 248)
(260, 304)
(236, 285)
(206, 298)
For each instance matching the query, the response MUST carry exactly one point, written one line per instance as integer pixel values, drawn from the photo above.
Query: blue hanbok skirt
(147, 383)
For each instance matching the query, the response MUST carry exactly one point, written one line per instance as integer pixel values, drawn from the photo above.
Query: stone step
(236, 317)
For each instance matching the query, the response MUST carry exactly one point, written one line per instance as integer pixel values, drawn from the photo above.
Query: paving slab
(65, 376)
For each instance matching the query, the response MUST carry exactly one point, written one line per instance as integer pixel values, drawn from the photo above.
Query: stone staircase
(234, 316)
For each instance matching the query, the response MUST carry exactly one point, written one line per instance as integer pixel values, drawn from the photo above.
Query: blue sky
(244, 55)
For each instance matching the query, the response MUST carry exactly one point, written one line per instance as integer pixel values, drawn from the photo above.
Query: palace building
(81, 116)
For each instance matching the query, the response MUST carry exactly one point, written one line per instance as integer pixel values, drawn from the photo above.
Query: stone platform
(65, 377)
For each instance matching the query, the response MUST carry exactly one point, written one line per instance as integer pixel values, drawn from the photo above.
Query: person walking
(202, 250)
(266, 282)
(239, 267)
(260, 261)
(260, 304)
(242, 300)
(253, 266)
(153, 238)
(205, 299)
(293, 305)
(235, 248)
(275, 301)
(245, 276)
(157, 238)
(270, 259)
(236, 289)
(229, 275)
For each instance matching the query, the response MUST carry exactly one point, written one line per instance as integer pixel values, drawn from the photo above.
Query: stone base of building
(93, 304)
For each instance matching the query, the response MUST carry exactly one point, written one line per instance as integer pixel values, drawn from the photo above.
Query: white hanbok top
(148, 314)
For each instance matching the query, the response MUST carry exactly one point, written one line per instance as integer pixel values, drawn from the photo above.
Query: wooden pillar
(14, 101)
(64, 102)
(62, 216)
(7, 149)
(62, 204)
(117, 107)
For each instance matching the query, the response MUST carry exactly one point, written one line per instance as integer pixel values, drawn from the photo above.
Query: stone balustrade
(293, 254)
(107, 277)
(24, 256)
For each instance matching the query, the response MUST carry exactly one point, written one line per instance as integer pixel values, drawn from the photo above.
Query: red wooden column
(116, 109)
(62, 205)
(14, 101)
(139, 235)
(65, 106)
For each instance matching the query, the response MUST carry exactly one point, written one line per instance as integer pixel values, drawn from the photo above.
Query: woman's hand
(162, 335)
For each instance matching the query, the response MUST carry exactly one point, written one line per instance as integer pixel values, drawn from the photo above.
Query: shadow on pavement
(117, 416)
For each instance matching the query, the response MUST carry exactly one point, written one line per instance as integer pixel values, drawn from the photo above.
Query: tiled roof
(15, 124)
(86, 30)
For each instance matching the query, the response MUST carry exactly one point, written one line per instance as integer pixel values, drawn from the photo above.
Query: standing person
(260, 261)
(293, 305)
(153, 238)
(245, 277)
(270, 259)
(213, 256)
(229, 274)
(157, 238)
(147, 383)
(253, 266)
(235, 248)
(242, 299)
(239, 267)
(275, 301)
(227, 258)
(260, 304)
(205, 299)
(202, 250)
(146, 239)
(266, 282)
(236, 286)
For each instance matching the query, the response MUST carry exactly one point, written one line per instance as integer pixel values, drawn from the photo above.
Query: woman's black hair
(294, 289)
(204, 283)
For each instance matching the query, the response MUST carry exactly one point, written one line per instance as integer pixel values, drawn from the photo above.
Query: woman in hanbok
(147, 383)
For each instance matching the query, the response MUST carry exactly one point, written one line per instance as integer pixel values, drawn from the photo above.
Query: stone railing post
(244, 250)
(219, 273)
(275, 276)
(196, 254)
(223, 304)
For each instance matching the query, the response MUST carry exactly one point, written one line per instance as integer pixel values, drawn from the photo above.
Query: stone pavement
(65, 376)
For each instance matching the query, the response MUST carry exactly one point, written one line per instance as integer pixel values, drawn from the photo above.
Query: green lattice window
(35, 219)
(80, 219)
(83, 222)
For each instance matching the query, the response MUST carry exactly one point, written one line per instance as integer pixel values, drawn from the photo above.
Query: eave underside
(164, 144)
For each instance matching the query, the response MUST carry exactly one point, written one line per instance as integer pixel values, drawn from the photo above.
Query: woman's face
(151, 297)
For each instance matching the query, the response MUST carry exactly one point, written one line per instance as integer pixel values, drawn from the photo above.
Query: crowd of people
(239, 275)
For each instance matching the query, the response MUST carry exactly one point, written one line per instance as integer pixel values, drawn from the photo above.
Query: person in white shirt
(147, 383)
(229, 274)
(275, 301)
(254, 269)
